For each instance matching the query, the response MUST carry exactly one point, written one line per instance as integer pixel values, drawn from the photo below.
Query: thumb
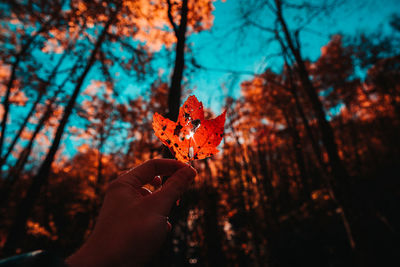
(173, 188)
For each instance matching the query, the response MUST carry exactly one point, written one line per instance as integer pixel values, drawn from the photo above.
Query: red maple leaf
(191, 137)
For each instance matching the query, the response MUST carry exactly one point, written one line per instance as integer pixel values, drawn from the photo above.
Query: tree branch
(171, 19)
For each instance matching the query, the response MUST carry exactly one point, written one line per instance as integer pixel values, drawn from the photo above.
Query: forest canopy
(307, 168)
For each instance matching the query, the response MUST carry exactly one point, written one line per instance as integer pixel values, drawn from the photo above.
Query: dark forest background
(308, 173)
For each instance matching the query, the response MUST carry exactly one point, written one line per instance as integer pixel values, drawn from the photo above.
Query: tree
(48, 16)
(195, 15)
(290, 44)
(17, 230)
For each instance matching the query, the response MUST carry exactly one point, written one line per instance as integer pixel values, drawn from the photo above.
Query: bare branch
(171, 19)
(261, 27)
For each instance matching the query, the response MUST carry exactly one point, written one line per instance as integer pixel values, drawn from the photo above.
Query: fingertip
(189, 171)
(173, 188)
(180, 181)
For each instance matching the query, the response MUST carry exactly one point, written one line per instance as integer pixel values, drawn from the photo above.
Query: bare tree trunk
(6, 101)
(174, 100)
(250, 212)
(212, 231)
(41, 92)
(16, 170)
(299, 156)
(17, 230)
(314, 144)
(266, 179)
(100, 178)
(3, 160)
(99, 173)
(341, 177)
(328, 138)
(175, 90)
(18, 167)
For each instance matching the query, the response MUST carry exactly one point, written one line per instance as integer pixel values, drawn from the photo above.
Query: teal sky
(229, 47)
(226, 47)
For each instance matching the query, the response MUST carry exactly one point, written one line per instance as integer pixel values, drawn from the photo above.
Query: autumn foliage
(299, 169)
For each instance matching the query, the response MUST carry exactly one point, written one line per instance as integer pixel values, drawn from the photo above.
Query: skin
(133, 223)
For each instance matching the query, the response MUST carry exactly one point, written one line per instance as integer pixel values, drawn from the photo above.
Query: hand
(132, 224)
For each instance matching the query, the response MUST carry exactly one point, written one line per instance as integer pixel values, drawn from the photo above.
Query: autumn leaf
(191, 137)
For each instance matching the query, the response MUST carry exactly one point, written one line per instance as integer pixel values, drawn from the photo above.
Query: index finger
(145, 173)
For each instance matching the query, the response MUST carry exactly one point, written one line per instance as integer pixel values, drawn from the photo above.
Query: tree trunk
(174, 100)
(266, 179)
(341, 177)
(16, 170)
(212, 231)
(6, 101)
(175, 90)
(21, 129)
(315, 146)
(328, 138)
(299, 157)
(41, 92)
(250, 212)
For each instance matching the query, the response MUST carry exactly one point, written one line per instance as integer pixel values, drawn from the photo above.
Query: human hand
(132, 224)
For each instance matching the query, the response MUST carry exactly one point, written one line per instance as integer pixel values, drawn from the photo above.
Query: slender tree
(49, 18)
(18, 228)
(175, 91)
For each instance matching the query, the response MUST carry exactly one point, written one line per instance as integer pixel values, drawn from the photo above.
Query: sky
(225, 47)
(228, 47)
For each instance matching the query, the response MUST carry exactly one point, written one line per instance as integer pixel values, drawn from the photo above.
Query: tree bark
(175, 90)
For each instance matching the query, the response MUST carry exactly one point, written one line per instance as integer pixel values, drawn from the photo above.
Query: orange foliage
(17, 96)
(35, 229)
(152, 27)
(52, 45)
